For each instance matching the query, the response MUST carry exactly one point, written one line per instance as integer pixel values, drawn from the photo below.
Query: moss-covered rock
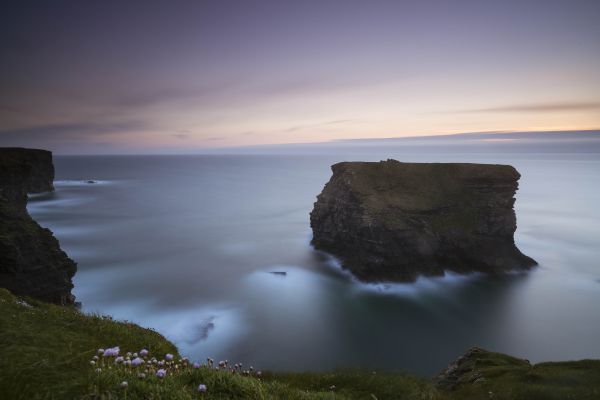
(482, 374)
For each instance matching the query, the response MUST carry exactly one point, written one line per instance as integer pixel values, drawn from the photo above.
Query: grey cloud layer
(56, 133)
(541, 107)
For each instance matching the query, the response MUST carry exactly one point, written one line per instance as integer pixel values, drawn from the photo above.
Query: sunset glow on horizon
(107, 77)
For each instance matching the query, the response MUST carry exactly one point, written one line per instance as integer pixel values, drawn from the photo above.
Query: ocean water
(188, 245)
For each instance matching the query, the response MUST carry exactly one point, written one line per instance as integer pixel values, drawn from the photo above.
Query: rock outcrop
(31, 261)
(393, 221)
(25, 171)
(473, 368)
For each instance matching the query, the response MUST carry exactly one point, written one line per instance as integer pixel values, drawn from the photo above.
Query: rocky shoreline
(31, 260)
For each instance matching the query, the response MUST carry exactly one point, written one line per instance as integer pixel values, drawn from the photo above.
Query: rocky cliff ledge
(25, 171)
(31, 261)
(393, 221)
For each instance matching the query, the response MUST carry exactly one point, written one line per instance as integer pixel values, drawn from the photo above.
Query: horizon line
(210, 150)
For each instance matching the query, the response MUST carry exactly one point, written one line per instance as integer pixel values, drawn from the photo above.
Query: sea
(213, 251)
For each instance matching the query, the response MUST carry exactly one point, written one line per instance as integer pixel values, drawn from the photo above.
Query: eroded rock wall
(31, 260)
(393, 221)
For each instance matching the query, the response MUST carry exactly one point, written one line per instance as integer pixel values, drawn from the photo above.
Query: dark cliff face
(31, 261)
(392, 221)
(34, 167)
(25, 171)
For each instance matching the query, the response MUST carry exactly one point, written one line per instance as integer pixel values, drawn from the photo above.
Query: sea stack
(390, 221)
(31, 260)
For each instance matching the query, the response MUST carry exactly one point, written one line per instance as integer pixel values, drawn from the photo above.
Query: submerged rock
(393, 221)
(281, 273)
(31, 260)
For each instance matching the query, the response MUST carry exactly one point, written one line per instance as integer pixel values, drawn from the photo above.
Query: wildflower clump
(143, 366)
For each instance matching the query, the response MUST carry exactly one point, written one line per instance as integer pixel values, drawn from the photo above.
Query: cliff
(31, 261)
(393, 221)
(25, 171)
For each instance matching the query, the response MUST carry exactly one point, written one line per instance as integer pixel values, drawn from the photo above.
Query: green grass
(545, 381)
(358, 384)
(45, 349)
(45, 353)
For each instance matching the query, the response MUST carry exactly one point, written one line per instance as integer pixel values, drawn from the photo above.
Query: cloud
(9, 109)
(147, 98)
(302, 127)
(55, 133)
(487, 136)
(181, 136)
(539, 107)
(216, 94)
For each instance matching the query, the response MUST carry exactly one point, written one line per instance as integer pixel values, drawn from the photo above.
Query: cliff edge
(394, 221)
(31, 260)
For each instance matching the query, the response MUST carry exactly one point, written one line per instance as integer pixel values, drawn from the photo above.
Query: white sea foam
(423, 284)
(54, 203)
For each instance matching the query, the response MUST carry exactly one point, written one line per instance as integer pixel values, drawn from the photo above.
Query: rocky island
(394, 221)
(31, 260)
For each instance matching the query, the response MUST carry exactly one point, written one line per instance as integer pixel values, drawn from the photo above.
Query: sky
(95, 77)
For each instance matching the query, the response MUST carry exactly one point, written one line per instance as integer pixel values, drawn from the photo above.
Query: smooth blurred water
(187, 245)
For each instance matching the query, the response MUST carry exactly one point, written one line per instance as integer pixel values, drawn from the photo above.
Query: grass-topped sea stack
(393, 221)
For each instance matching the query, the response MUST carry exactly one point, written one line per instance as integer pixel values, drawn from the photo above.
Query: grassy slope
(505, 377)
(45, 352)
